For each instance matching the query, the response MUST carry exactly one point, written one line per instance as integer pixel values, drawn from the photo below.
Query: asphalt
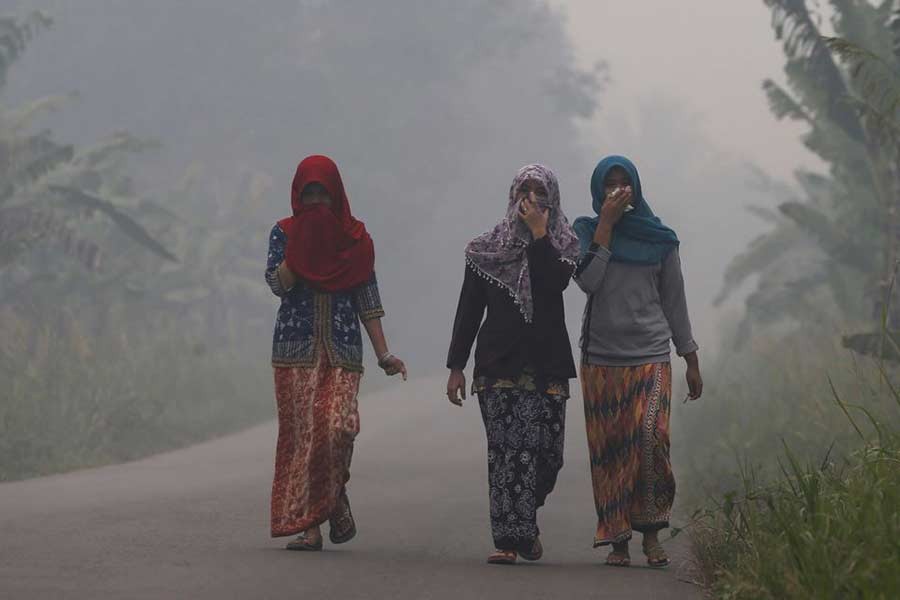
(193, 523)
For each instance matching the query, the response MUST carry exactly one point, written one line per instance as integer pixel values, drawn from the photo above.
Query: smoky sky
(428, 109)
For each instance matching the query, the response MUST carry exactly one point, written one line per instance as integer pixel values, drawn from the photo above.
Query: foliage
(838, 232)
(820, 530)
(50, 191)
(120, 332)
(823, 525)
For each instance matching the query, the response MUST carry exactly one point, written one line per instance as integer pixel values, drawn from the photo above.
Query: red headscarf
(326, 247)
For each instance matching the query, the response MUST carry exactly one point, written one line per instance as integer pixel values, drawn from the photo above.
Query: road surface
(193, 523)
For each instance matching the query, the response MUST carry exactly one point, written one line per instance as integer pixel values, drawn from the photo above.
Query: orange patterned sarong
(627, 416)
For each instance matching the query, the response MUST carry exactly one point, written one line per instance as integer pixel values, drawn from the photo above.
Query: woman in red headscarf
(321, 264)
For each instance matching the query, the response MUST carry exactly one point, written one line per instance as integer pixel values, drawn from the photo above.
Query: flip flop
(303, 544)
(656, 556)
(342, 527)
(618, 558)
(502, 557)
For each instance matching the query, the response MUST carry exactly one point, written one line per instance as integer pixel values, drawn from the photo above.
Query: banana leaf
(126, 224)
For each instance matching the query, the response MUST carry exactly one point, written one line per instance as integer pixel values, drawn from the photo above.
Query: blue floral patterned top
(309, 320)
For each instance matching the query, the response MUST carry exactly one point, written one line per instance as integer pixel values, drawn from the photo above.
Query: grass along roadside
(825, 529)
(78, 414)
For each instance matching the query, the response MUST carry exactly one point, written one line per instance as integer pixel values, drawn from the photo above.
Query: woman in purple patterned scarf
(523, 361)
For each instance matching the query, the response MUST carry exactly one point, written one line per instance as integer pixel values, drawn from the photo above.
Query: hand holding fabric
(327, 248)
(533, 215)
(614, 207)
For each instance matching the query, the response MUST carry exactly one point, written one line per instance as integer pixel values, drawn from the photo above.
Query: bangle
(386, 356)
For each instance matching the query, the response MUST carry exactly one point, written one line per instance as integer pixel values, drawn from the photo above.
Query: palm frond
(877, 84)
(22, 118)
(35, 157)
(782, 104)
(111, 148)
(828, 236)
(155, 209)
(23, 228)
(877, 78)
(125, 223)
(764, 214)
(884, 127)
(762, 252)
(763, 182)
(774, 301)
(862, 21)
(818, 188)
(803, 45)
(15, 34)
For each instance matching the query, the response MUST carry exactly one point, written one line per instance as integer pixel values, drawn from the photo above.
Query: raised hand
(535, 217)
(611, 213)
(615, 204)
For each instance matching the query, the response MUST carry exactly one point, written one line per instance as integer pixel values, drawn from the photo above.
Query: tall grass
(777, 390)
(816, 515)
(68, 403)
(817, 531)
(75, 413)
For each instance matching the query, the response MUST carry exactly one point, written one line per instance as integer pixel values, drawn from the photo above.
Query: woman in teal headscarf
(631, 271)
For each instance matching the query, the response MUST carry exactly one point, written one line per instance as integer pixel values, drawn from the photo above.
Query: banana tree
(833, 246)
(48, 189)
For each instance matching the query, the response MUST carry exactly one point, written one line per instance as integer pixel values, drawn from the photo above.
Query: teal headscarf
(639, 237)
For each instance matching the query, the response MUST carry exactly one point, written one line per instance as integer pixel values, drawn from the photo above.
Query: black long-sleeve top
(506, 342)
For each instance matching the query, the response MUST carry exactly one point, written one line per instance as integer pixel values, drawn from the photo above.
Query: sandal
(306, 542)
(342, 527)
(502, 557)
(619, 556)
(656, 556)
(536, 552)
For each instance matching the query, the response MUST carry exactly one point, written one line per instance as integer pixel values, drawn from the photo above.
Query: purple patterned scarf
(499, 255)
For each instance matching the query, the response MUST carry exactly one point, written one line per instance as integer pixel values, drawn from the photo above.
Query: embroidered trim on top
(371, 314)
(649, 441)
(616, 539)
(511, 292)
(275, 283)
(498, 283)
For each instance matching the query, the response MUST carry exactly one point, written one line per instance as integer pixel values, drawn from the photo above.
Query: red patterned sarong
(317, 422)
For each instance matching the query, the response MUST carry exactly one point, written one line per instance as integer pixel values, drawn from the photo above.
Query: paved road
(193, 524)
